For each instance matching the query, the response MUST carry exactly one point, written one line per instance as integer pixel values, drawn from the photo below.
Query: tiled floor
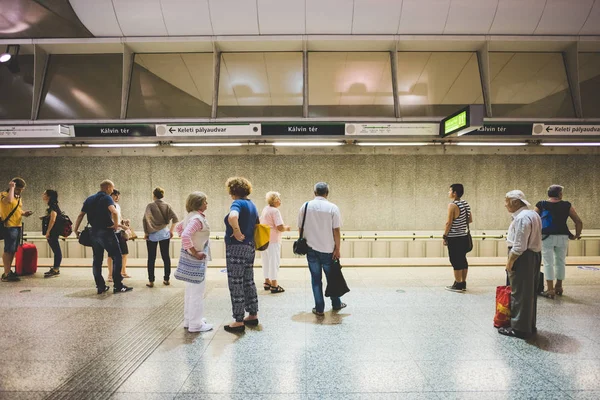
(401, 337)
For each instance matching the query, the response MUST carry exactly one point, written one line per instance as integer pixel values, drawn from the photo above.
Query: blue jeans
(318, 261)
(55, 246)
(12, 238)
(106, 239)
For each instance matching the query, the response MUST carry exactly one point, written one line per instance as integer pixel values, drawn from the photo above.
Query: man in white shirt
(322, 233)
(523, 266)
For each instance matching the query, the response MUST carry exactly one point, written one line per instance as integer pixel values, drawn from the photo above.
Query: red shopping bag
(502, 317)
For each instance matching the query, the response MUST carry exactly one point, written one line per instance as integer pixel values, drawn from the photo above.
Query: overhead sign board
(393, 129)
(34, 131)
(503, 130)
(462, 121)
(113, 130)
(303, 129)
(574, 130)
(207, 130)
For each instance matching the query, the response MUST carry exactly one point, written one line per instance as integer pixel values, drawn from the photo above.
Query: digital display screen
(455, 123)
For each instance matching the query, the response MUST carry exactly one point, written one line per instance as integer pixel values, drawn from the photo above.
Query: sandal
(277, 289)
(109, 279)
(549, 294)
(125, 275)
(266, 286)
(559, 292)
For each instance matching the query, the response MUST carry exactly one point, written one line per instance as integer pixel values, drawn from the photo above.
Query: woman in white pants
(195, 252)
(270, 257)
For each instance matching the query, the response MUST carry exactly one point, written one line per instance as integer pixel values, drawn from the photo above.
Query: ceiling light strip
(29, 146)
(395, 143)
(206, 144)
(492, 144)
(573, 144)
(121, 145)
(306, 144)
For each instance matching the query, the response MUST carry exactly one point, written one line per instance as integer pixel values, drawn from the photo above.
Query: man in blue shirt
(104, 220)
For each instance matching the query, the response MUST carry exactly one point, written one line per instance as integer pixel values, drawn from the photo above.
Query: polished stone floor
(402, 336)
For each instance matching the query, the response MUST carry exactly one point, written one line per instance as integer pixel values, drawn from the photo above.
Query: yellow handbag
(262, 234)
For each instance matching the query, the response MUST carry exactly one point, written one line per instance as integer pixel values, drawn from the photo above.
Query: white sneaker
(204, 328)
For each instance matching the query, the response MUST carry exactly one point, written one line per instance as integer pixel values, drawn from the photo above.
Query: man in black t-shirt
(104, 219)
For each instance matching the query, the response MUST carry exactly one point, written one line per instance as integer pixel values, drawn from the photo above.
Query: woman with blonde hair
(240, 252)
(270, 257)
(195, 253)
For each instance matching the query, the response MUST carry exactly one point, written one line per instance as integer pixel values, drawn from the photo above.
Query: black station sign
(111, 130)
(303, 129)
(522, 129)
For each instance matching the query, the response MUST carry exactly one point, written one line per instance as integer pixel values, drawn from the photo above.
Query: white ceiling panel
(261, 79)
(191, 73)
(187, 17)
(234, 17)
(329, 16)
(281, 17)
(98, 16)
(589, 66)
(140, 17)
(423, 17)
(284, 71)
(517, 17)
(349, 79)
(381, 17)
(470, 16)
(592, 25)
(523, 78)
(564, 17)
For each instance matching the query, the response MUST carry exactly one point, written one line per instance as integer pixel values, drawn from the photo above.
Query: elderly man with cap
(523, 265)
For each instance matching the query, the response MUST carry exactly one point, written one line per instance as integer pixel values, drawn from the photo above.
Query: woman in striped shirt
(456, 236)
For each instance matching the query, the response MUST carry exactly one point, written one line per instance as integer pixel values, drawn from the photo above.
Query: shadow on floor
(89, 294)
(330, 318)
(555, 342)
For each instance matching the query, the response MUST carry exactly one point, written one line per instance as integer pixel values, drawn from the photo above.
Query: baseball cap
(517, 195)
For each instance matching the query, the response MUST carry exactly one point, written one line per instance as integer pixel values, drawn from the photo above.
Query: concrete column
(128, 60)
(40, 66)
(394, 64)
(571, 59)
(216, 76)
(483, 60)
(305, 82)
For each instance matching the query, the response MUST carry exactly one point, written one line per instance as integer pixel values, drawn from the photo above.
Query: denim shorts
(12, 237)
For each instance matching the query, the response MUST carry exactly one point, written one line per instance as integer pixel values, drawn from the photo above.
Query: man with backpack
(11, 213)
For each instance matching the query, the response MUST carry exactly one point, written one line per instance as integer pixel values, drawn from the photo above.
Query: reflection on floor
(402, 337)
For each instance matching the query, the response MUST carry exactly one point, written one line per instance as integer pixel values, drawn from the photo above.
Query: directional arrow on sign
(548, 129)
(171, 130)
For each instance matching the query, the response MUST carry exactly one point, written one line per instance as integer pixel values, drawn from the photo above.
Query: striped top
(459, 225)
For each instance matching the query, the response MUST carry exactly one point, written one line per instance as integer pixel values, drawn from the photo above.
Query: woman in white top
(270, 257)
(195, 252)
(116, 196)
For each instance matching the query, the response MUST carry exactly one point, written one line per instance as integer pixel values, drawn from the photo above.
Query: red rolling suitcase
(26, 259)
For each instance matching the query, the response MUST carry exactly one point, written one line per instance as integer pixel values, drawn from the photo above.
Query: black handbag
(469, 237)
(336, 284)
(2, 222)
(85, 237)
(300, 245)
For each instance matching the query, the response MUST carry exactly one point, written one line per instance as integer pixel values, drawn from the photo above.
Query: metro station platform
(402, 336)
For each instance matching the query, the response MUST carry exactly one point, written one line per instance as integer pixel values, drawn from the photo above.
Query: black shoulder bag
(469, 237)
(300, 245)
(2, 222)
